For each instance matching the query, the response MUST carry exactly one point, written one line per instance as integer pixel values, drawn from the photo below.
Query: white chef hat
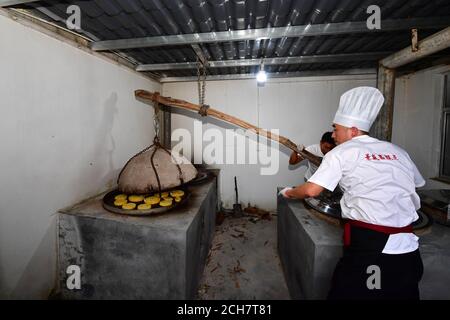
(359, 107)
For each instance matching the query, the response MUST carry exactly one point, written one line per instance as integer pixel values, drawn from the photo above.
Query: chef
(381, 258)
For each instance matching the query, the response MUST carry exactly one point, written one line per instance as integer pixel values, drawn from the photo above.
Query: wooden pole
(155, 97)
(382, 127)
(432, 44)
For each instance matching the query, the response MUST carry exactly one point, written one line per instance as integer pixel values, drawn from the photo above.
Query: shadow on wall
(98, 163)
(96, 169)
(106, 144)
(39, 277)
(3, 288)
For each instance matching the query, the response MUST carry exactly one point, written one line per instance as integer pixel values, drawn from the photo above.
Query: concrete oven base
(125, 257)
(309, 249)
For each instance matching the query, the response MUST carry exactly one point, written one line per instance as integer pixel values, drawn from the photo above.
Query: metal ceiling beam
(5, 3)
(332, 72)
(432, 44)
(367, 56)
(268, 33)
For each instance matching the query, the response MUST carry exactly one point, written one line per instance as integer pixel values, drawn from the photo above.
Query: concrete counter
(309, 249)
(130, 257)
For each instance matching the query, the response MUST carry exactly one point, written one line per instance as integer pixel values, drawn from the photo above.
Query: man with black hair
(321, 149)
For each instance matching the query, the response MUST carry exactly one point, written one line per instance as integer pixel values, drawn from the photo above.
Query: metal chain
(156, 121)
(200, 102)
(204, 84)
(201, 82)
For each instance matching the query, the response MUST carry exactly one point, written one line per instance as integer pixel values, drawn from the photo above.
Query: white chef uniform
(379, 181)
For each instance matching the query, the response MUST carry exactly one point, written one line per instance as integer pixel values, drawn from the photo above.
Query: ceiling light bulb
(261, 76)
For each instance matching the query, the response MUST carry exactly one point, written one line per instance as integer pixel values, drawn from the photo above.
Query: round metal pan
(324, 207)
(333, 209)
(108, 204)
(423, 222)
(202, 177)
(327, 203)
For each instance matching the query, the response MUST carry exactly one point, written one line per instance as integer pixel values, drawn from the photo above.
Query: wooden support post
(382, 128)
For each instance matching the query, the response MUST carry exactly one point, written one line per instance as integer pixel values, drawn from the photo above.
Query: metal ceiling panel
(334, 27)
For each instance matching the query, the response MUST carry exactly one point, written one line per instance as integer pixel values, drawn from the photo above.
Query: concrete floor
(435, 251)
(243, 262)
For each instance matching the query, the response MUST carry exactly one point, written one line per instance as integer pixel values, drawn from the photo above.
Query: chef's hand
(295, 158)
(300, 147)
(283, 192)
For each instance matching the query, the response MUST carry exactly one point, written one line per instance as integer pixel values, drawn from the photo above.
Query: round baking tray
(202, 176)
(333, 210)
(328, 208)
(423, 222)
(108, 204)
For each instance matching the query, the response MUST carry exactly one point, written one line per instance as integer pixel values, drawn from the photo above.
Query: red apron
(383, 229)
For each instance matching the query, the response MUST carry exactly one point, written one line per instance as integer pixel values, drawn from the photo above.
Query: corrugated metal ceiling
(124, 19)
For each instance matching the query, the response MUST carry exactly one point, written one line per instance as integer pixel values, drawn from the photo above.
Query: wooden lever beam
(156, 97)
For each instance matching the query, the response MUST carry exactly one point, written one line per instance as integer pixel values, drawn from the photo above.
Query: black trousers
(365, 273)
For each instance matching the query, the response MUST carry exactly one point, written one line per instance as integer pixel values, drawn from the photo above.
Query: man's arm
(295, 158)
(305, 190)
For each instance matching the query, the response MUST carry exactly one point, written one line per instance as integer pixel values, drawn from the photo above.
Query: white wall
(301, 108)
(69, 123)
(417, 120)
